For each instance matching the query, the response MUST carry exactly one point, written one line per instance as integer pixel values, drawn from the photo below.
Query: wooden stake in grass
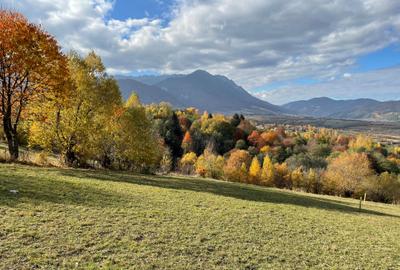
(365, 196)
(359, 208)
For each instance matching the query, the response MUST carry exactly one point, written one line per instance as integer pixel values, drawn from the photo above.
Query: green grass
(67, 219)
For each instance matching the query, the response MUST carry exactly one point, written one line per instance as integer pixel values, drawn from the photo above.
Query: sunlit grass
(84, 219)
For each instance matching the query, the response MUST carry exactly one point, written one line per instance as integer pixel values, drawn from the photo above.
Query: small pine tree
(254, 171)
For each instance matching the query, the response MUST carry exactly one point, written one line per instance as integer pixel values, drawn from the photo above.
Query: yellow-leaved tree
(75, 121)
(346, 173)
(137, 146)
(267, 172)
(255, 171)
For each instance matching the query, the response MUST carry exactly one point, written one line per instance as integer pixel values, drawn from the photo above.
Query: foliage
(383, 188)
(31, 64)
(361, 143)
(166, 162)
(254, 171)
(137, 145)
(210, 165)
(236, 163)
(75, 124)
(268, 172)
(346, 174)
(188, 162)
(241, 144)
(187, 142)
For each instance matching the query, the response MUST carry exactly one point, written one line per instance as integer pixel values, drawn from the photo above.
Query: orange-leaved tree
(30, 64)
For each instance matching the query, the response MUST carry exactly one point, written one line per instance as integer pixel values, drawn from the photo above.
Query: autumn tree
(77, 123)
(187, 142)
(133, 100)
(30, 64)
(267, 172)
(137, 144)
(188, 162)
(346, 174)
(255, 171)
(234, 165)
(210, 165)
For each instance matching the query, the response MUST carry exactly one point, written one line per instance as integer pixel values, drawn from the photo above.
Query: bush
(241, 144)
(188, 162)
(166, 162)
(210, 165)
(40, 159)
(383, 188)
(346, 173)
(306, 161)
(234, 165)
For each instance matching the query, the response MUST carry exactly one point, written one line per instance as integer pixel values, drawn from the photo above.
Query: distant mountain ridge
(367, 109)
(200, 89)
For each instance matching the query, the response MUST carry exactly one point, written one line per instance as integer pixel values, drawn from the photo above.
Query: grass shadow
(35, 190)
(227, 189)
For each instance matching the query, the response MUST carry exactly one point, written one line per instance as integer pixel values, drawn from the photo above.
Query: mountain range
(366, 109)
(216, 93)
(200, 89)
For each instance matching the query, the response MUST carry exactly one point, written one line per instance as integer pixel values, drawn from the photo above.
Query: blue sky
(124, 9)
(273, 48)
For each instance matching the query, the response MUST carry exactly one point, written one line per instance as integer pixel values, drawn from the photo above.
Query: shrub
(166, 162)
(361, 143)
(210, 165)
(306, 161)
(346, 173)
(40, 159)
(383, 188)
(241, 144)
(232, 168)
(282, 176)
(188, 162)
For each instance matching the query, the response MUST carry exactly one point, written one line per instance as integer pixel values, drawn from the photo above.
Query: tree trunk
(70, 158)
(12, 138)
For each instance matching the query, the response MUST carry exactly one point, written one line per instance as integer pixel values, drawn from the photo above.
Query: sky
(279, 51)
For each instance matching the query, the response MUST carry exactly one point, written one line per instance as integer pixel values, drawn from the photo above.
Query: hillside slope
(367, 109)
(80, 219)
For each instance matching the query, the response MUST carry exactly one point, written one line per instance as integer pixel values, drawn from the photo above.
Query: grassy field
(77, 219)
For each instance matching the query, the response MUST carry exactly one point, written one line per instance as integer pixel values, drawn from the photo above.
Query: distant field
(77, 219)
(386, 132)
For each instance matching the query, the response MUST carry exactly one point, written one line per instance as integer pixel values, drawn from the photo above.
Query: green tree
(137, 144)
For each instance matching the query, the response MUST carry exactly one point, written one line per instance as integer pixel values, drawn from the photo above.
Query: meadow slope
(79, 219)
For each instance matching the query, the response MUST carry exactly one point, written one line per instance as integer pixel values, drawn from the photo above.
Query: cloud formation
(254, 41)
(379, 84)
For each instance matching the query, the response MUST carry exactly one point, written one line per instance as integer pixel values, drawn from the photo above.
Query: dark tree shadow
(34, 190)
(234, 190)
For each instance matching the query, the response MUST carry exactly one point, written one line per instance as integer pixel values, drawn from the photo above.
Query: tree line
(67, 105)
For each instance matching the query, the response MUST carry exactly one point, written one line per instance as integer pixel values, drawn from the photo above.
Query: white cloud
(254, 41)
(379, 84)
